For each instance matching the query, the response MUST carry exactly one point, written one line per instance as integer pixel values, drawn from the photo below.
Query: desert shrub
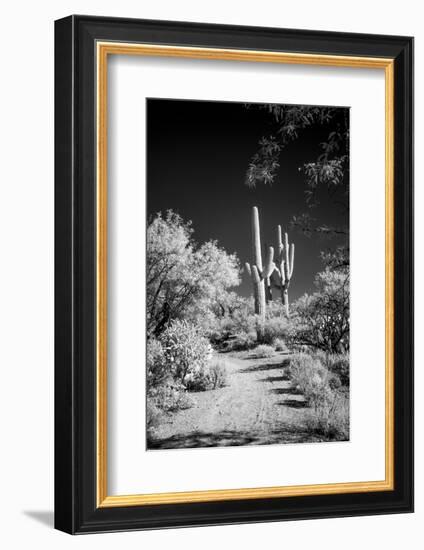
(322, 320)
(186, 350)
(263, 351)
(169, 397)
(228, 315)
(211, 378)
(218, 374)
(164, 394)
(339, 365)
(198, 380)
(331, 419)
(184, 278)
(153, 414)
(157, 368)
(241, 319)
(279, 345)
(275, 327)
(319, 354)
(276, 309)
(310, 377)
(241, 341)
(336, 363)
(321, 389)
(214, 327)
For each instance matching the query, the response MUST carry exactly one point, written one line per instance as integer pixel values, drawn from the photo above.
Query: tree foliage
(327, 174)
(181, 275)
(321, 320)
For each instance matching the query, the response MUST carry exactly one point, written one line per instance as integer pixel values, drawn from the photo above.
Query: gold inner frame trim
(103, 50)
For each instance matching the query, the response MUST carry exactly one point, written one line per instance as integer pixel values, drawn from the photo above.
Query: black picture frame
(76, 509)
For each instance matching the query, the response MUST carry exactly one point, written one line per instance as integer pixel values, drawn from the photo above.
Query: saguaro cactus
(283, 272)
(260, 273)
(271, 267)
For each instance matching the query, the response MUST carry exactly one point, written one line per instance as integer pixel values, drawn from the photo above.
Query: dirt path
(257, 407)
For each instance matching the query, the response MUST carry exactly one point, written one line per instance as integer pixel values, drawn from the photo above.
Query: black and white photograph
(208, 279)
(247, 274)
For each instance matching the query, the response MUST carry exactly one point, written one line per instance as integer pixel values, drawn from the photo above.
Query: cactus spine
(284, 270)
(260, 273)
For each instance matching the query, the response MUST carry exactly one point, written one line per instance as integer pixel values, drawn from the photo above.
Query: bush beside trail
(323, 379)
(178, 363)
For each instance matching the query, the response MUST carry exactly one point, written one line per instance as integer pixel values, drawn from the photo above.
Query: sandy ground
(258, 406)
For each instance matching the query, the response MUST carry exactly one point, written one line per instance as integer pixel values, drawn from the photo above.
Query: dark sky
(197, 156)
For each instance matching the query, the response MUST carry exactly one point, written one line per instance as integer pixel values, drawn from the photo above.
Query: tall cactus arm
(269, 263)
(279, 238)
(283, 273)
(247, 266)
(286, 257)
(291, 259)
(280, 248)
(257, 253)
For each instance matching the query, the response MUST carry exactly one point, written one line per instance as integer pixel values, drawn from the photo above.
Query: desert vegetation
(196, 322)
(227, 366)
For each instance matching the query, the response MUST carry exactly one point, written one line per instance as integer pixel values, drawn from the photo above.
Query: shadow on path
(285, 391)
(294, 404)
(283, 378)
(267, 366)
(227, 438)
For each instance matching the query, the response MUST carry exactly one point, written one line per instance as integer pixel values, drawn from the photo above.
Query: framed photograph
(234, 287)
